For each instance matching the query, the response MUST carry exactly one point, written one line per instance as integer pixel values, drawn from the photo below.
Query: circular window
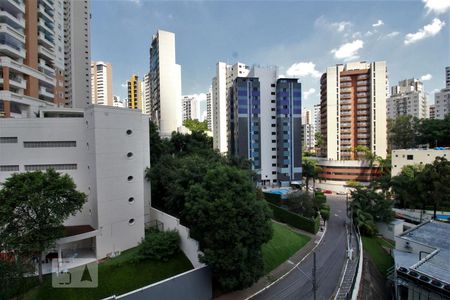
(130, 178)
(129, 132)
(130, 154)
(131, 222)
(131, 200)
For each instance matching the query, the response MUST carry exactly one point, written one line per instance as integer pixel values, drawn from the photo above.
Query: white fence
(188, 245)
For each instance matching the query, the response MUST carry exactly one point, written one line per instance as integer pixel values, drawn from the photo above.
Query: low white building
(404, 157)
(106, 151)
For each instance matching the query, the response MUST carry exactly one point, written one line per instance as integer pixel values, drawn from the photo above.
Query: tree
(33, 207)
(196, 125)
(230, 223)
(402, 132)
(310, 170)
(301, 203)
(369, 207)
(434, 184)
(320, 142)
(157, 146)
(434, 132)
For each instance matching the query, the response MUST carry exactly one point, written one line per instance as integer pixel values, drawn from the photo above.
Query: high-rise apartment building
(408, 98)
(77, 58)
(308, 139)
(101, 83)
(265, 124)
(191, 108)
(222, 84)
(146, 95)
(316, 120)
(165, 77)
(134, 93)
(432, 112)
(442, 99)
(35, 70)
(353, 109)
(209, 109)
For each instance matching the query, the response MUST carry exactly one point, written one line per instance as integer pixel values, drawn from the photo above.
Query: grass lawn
(116, 276)
(283, 245)
(382, 259)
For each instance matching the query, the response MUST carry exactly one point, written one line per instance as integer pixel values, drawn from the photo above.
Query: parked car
(327, 192)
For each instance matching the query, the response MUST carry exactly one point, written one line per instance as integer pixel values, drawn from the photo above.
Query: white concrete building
(82, 143)
(220, 93)
(404, 157)
(447, 77)
(209, 116)
(308, 130)
(118, 103)
(353, 109)
(408, 98)
(146, 95)
(191, 107)
(101, 83)
(165, 77)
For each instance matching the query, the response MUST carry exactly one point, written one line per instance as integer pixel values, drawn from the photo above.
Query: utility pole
(314, 276)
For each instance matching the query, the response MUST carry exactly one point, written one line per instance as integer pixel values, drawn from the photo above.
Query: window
(57, 167)
(131, 200)
(9, 168)
(130, 154)
(130, 178)
(129, 132)
(50, 144)
(409, 157)
(131, 221)
(8, 140)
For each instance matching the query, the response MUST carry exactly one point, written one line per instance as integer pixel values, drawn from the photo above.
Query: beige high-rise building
(408, 98)
(353, 109)
(40, 55)
(101, 83)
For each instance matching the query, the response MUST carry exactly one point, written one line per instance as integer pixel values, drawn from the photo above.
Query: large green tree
(230, 223)
(196, 125)
(369, 207)
(33, 207)
(402, 132)
(434, 132)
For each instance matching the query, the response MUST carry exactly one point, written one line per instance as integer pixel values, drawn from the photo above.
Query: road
(330, 258)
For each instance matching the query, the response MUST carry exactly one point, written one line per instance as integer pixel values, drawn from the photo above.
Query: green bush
(272, 198)
(159, 245)
(325, 212)
(295, 220)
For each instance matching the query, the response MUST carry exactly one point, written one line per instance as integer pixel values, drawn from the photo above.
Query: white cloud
(338, 26)
(348, 51)
(369, 33)
(302, 69)
(357, 35)
(392, 34)
(378, 23)
(199, 97)
(437, 6)
(124, 85)
(426, 77)
(425, 32)
(308, 93)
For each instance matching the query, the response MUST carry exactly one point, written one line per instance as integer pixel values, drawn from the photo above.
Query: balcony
(14, 21)
(46, 40)
(348, 125)
(346, 119)
(49, 55)
(12, 50)
(4, 28)
(46, 13)
(362, 94)
(46, 93)
(346, 107)
(362, 124)
(346, 136)
(345, 78)
(16, 82)
(363, 106)
(13, 6)
(345, 102)
(363, 118)
(45, 68)
(346, 113)
(46, 26)
(362, 89)
(361, 77)
(364, 82)
(362, 136)
(345, 131)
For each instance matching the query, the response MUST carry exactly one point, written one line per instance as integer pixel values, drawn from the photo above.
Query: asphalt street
(330, 258)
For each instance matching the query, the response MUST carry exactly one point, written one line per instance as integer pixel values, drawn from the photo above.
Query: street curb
(294, 267)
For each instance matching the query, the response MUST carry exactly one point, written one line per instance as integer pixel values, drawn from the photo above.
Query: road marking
(336, 215)
(290, 262)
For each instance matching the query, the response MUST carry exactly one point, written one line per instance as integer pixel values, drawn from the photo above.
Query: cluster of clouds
(349, 50)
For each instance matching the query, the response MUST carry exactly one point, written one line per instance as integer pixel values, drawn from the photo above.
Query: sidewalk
(281, 270)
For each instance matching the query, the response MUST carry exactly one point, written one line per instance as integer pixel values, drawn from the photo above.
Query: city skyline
(320, 34)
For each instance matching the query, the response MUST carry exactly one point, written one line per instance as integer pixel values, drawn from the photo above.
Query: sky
(302, 38)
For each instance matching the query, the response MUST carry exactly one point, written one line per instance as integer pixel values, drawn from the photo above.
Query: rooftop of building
(434, 264)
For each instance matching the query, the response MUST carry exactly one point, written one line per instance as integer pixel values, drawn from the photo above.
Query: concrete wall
(390, 231)
(188, 245)
(404, 157)
(191, 285)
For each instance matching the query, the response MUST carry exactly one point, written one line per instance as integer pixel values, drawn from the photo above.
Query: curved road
(330, 258)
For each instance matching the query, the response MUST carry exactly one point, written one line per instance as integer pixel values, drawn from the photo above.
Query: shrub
(159, 245)
(294, 220)
(325, 212)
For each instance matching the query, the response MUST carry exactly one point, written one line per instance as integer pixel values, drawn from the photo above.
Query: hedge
(295, 220)
(272, 198)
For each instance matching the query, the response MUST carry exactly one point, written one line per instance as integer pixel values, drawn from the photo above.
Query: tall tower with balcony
(353, 109)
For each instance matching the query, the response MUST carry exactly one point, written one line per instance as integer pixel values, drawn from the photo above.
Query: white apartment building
(191, 107)
(404, 157)
(101, 83)
(353, 109)
(316, 120)
(308, 131)
(220, 98)
(442, 98)
(146, 94)
(408, 98)
(165, 77)
(82, 143)
(209, 109)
